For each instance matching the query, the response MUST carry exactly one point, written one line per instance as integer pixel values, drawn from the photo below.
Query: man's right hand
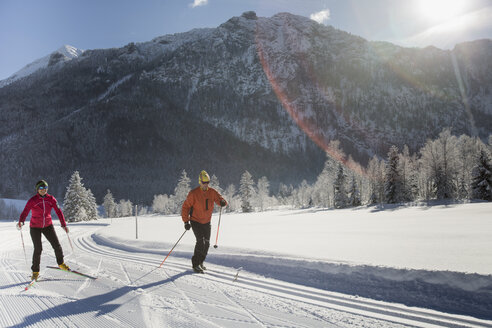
(19, 225)
(187, 225)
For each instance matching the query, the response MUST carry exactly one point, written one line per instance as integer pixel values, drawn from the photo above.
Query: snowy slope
(131, 291)
(65, 53)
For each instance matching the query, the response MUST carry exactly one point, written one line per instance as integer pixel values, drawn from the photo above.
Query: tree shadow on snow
(101, 303)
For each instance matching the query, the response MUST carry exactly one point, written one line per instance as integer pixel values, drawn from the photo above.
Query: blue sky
(32, 29)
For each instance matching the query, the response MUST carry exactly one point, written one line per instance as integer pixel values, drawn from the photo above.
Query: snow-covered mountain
(260, 94)
(63, 54)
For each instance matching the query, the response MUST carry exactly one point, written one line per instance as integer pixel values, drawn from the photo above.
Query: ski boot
(63, 266)
(35, 276)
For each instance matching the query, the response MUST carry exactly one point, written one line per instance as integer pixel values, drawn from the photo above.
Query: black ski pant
(202, 234)
(50, 234)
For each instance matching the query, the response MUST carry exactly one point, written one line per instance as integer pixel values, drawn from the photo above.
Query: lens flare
(310, 119)
(327, 101)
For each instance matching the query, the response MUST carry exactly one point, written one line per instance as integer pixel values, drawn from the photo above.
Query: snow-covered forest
(450, 167)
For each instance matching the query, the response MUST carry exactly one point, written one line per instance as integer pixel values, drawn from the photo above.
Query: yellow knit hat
(203, 177)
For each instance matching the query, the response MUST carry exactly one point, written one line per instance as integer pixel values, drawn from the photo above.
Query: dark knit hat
(41, 183)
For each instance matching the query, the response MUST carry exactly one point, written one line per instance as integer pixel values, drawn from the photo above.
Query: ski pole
(218, 226)
(70, 241)
(23, 246)
(172, 248)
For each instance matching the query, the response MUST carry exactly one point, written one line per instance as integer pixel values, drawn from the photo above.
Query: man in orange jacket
(197, 209)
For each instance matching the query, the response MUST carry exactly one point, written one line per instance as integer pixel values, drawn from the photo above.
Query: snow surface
(364, 267)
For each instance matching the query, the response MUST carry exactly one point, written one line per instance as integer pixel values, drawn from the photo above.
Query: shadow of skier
(97, 303)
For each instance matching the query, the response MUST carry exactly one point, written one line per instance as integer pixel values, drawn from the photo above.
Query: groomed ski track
(131, 291)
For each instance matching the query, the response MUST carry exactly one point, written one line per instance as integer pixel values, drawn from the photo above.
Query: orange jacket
(201, 203)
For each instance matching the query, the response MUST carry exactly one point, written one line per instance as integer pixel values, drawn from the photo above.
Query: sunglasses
(43, 188)
(207, 182)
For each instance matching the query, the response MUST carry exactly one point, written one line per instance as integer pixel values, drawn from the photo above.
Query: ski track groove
(390, 312)
(127, 276)
(115, 317)
(248, 312)
(423, 317)
(380, 312)
(180, 291)
(11, 314)
(186, 313)
(188, 299)
(309, 313)
(298, 294)
(251, 315)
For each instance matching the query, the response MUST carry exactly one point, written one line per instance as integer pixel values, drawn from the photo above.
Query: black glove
(223, 203)
(187, 225)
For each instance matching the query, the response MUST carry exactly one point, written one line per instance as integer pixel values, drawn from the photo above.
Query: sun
(441, 10)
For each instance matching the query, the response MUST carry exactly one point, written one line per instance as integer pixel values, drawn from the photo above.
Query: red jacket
(202, 203)
(40, 208)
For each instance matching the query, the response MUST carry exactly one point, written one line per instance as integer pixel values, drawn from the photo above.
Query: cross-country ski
(30, 284)
(73, 272)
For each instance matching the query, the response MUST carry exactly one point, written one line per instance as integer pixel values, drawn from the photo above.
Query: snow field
(276, 286)
(448, 237)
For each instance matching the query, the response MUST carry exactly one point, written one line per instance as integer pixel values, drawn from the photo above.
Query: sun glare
(441, 10)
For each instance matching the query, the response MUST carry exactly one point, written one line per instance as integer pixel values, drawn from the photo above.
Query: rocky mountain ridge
(253, 93)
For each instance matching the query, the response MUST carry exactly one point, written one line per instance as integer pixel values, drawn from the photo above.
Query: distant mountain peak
(63, 54)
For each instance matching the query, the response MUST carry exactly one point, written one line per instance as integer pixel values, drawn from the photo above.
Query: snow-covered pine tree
(393, 179)
(75, 202)
(91, 205)
(340, 194)
(214, 183)
(302, 195)
(468, 151)
(263, 194)
(233, 202)
(354, 193)
(162, 204)
(375, 173)
(440, 159)
(482, 178)
(181, 191)
(407, 169)
(109, 205)
(284, 193)
(447, 186)
(247, 191)
(124, 208)
(322, 189)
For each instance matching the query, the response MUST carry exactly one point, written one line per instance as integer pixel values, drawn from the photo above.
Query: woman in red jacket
(198, 208)
(40, 206)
